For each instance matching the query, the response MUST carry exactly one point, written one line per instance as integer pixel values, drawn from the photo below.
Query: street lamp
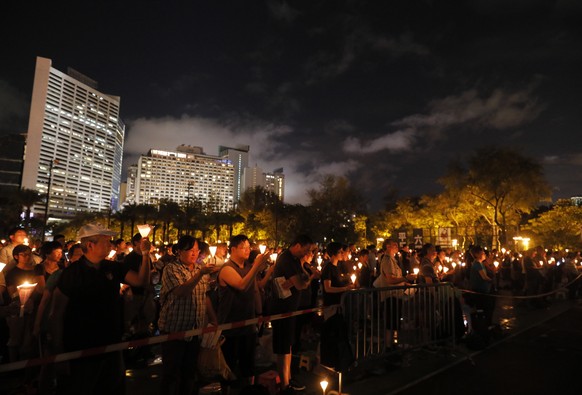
(52, 163)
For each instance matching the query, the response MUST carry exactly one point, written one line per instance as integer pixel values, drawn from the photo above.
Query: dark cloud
(383, 92)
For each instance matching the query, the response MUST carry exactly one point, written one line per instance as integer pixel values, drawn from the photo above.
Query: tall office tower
(272, 182)
(275, 182)
(239, 156)
(184, 176)
(74, 145)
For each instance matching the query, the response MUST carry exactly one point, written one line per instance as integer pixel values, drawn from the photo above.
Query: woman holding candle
(334, 284)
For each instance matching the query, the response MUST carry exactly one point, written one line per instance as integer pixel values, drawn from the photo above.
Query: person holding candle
(481, 283)
(20, 327)
(334, 284)
(178, 313)
(288, 265)
(392, 275)
(87, 313)
(428, 274)
(239, 299)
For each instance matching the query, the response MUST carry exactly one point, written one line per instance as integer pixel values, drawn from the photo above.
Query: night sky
(385, 93)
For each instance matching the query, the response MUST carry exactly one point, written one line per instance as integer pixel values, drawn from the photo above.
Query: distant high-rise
(185, 176)
(239, 156)
(75, 131)
(272, 182)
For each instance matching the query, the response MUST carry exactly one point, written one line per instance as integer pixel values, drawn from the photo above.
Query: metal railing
(382, 320)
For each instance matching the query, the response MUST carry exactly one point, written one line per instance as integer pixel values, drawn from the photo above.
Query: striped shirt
(177, 314)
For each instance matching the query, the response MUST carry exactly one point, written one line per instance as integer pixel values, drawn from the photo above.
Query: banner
(417, 237)
(444, 239)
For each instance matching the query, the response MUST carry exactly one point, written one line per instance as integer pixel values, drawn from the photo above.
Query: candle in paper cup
(262, 248)
(273, 257)
(144, 230)
(353, 277)
(416, 270)
(24, 292)
(2, 266)
(359, 265)
(111, 254)
(212, 250)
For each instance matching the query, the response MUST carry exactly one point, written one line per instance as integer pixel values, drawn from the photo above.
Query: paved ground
(539, 353)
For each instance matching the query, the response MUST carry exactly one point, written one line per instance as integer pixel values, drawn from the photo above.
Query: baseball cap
(94, 230)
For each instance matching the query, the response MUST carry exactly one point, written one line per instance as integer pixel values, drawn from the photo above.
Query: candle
(360, 265)
(144, 230)
(323, 384)
(273, 257)
(416, 270)
(2, 266)
(111, 254)
(262, 248)
(213, 250)
(496, 264)
(24, 292)
(353, 277)
(445, 269)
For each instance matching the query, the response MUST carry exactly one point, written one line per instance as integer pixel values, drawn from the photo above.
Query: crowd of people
(97, 291)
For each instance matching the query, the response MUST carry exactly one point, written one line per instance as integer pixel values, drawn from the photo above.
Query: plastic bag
(212, 365)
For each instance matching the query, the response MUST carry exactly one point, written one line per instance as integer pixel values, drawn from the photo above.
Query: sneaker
(294, 385)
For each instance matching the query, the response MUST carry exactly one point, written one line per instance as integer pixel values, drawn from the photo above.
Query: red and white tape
(146, 341)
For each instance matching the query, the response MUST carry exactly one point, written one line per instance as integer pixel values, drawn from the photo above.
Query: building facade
(74, 144)
(239, 157)
(272, 182)
(185, 176)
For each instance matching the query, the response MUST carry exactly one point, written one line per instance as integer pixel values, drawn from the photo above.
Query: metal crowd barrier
(382, 320)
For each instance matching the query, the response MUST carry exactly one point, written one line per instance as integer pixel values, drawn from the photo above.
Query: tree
(558, 228)
(334, 206)
(502, 181)
(168, 212)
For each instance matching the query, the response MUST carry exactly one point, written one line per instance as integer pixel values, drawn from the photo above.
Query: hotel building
(185, 176)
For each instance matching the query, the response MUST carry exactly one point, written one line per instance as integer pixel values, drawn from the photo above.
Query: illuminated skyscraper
(239, 156)
(75, 133)
(185, 176)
